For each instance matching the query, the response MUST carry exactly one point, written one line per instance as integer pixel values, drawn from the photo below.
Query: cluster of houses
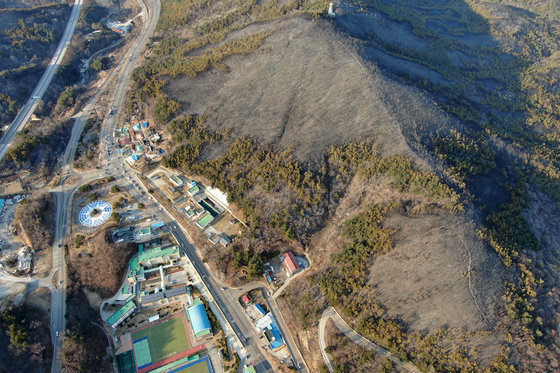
(138, 140)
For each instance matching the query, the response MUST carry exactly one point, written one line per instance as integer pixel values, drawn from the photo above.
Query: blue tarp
(145, 124)
(2, 203)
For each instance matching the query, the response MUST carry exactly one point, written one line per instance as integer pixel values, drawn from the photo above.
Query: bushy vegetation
(23, 33)
(363, 158)
(93, 13)
(347, 356)
(67, 98)
(252, 261)
(7, 104)
(467, 157)
(365, 238)
(30, 34)
(35, 221)
(68, 74)
(100, 63)
(508, 231)
(345, 283)
(165, 108)
(171, 52)
(25, 143)
(25, 339)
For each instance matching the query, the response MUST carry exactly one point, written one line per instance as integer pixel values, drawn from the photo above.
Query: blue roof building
(157, 225)
(199, 319)
(260, 309)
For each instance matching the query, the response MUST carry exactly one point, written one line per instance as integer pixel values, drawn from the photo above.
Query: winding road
(64, 193)
(27, 110)
(331, 313)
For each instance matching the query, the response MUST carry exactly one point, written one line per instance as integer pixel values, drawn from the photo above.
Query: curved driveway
(356, 338)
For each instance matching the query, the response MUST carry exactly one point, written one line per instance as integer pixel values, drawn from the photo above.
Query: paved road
(290, 343)
(115, 167)
(45, 281)
(64, 193)
(356, 338)
(31, 104)
(127, 178)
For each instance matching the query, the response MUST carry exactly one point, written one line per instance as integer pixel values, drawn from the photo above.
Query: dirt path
(356, 338)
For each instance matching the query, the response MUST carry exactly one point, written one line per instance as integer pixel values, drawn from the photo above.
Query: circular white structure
(95, 213)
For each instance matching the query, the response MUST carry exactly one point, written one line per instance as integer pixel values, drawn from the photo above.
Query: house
(268, 324)
(224, 239)
(290, 262)
(213, 238)
(152, 299)
(176, 181)
(193, 190)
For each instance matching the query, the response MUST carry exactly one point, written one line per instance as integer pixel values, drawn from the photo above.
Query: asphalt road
(65, 193)
(127, 178)
(25, 112)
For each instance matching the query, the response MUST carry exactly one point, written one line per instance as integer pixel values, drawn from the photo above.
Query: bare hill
(306, 89)
(463, 87)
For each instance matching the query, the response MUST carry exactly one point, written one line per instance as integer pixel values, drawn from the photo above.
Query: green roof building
(150, 258)
(121, 314)
(205, 220)
(194, 190)
(176, 180)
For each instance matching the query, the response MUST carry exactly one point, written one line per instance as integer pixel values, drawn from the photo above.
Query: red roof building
(290, 262)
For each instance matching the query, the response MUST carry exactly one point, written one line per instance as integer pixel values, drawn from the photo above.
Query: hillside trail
(356, 338)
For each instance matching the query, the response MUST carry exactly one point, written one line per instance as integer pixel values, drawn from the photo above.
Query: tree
(165, 108)
(67, 98)
(85, 188)
(100, 63)
(69, 74)
(93, 13)
(116, 217)
(255, 266)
